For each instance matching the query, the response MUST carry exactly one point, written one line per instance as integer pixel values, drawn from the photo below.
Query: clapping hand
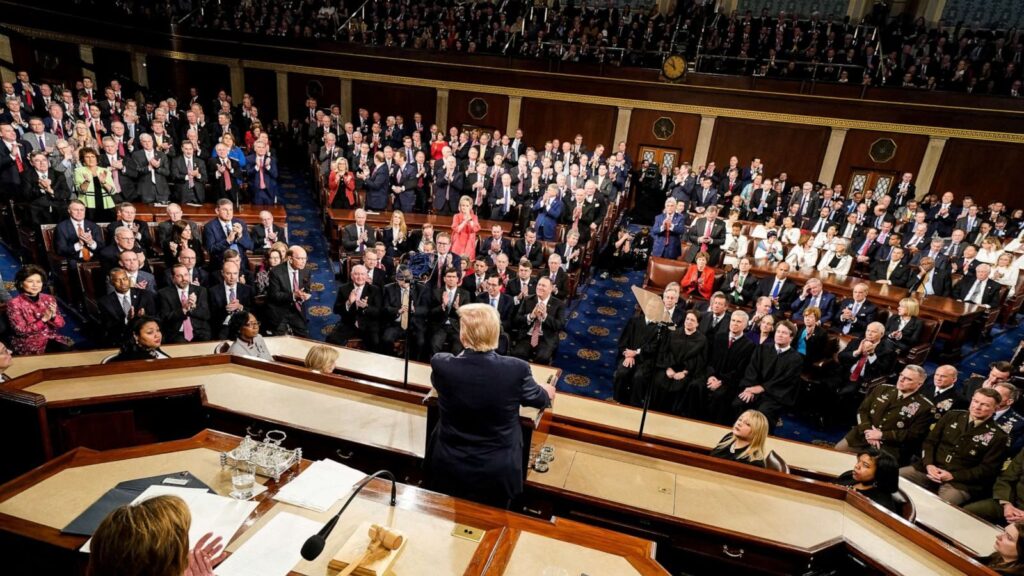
(191, 304)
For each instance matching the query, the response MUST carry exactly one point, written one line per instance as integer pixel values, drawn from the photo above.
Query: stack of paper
(320, 485)
(210, 512)
(274, 550)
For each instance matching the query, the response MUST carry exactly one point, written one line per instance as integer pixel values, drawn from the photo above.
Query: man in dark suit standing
(122, 305)
(189, 174)
(854, 314)
(705, 196)
(404, 185)
(184, 309)
(770, 381)
(227, 298)
(863, 360)
(149, 168)
(287, 294)
(978, 290)
(377, 184)
(77, 239)
(359, 305)
(503, 303)
(706, 234)
(224, 173)
(405, 309)
(943, 215)
(444, 313)
(261, 168)
(779, 288)
(13, 161)
(225, 231)
(540, 318)
(45, 189)
(903, 192)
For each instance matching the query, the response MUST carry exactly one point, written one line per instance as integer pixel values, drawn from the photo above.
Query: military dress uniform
(1009, 488)
(972, 453)
(904, 421)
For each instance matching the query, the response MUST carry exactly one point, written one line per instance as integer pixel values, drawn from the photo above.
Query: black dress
(139, 354)
(727, 453)
(874, 494)
(99, 213)
(682, 352)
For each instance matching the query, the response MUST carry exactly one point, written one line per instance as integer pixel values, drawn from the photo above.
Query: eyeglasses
(253, 324)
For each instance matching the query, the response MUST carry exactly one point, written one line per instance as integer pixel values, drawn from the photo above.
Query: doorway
(880, 181)
(659, 156)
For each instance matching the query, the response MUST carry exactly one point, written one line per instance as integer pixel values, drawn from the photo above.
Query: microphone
(314, 545)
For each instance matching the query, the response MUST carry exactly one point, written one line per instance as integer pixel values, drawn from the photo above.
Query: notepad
(210, 512)
(274, 550)
(320, 485)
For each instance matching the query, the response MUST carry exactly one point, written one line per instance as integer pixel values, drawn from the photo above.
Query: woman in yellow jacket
(95, 187)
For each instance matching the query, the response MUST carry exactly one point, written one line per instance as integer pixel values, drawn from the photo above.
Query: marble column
(929, 165)
(515, 108)
(703, 147)
(836, 139)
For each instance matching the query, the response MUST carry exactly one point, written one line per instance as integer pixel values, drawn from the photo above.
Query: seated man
(474, 283)
(570, 251)
(358, 237)
(524, 284)
(528, 247)
(123, 241)
(444, 314)
(894, 419)
(375, 272)
(131, 262)
(266, 233)
(401, 296)
(227, 298)
(740, 284)
(770, 382)
(1006, 505)
(637, 338)
(780, 289)
(979, 289)
(854, 314)
(558, 276)
(122, 305)
(813, 294)
(540, 318)
(998, 371)
(287, 294)
(197, 276)
(225, 231)
(963, 453)
(715, 319)
(183, 309)
(730, 353)
(893, 271)
(501, 302)
(489, 247)
(358, 304)
(930, 280)
(444, 260)
(165, 228)
(863, 360)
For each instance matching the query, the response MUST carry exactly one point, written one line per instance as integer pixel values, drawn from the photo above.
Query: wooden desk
(342, 217)
(952, 523)
(741, 514)
(248, 213)
(35, 507)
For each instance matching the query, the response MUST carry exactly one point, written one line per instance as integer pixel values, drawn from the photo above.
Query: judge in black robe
(636, 336)
(678, 363)
(771, 379)
(709, 397)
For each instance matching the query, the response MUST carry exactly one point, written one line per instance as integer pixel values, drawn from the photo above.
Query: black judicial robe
(779, 374)
(637, 334)
(683, 352)
(728, 364)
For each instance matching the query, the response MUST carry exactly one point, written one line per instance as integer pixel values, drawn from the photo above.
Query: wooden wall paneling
(641, 133)
(797, 150)
(394, 99)
(46, 60)
(497, 111)
(262, 84)
(326, 90)
(909, 153)
(168, 77)
(981, 169)
(544, 120)
(111, 65)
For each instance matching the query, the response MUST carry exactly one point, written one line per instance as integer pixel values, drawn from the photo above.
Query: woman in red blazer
(699, 278)
(341, 186)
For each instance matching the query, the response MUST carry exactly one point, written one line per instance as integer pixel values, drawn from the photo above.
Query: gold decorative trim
(822, 121)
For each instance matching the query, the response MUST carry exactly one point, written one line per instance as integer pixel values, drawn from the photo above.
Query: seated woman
(244, 329)
(761, 231)
(735, 246)
(321, 359)
(826, 241)
(875, 476)
(803, 254)
(699, 278)
(679, 363)
(990, 250)
(770, 248)
(1006, 273)
(396, 235)
(790, 233)
(903, 328)
(143, 343)
(765, 331)
(151, 538)
(273, 258)
(1008, 557)
(745, 443)
(34, 317)
(813, 338)
(836, 261)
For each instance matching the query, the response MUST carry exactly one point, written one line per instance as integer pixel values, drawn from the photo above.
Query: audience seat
(918, 354)
(662, 271)
(907, 509)
(775, 462)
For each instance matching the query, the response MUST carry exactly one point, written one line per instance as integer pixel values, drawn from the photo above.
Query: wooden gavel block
(370, 551)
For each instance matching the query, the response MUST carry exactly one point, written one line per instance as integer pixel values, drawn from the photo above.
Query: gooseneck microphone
(314, 545)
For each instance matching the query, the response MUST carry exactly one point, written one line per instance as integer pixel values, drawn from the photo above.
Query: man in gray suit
(41, 140)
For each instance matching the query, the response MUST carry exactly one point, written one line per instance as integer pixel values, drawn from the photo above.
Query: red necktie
(858, 370)
(259, 166)
(120, 148)
(227, 177)
(18, 162)
(707, 234)
(28, 98)
(186, 326)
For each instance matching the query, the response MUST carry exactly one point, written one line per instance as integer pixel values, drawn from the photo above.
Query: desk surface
(383, 219)
(948, 521)
(52, 496)
(786, 516)
(321, 408)
(249, 213)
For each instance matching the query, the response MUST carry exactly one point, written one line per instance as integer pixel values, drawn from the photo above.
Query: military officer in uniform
(1007, 418)
(963, 453)
(1006, 505)
(943, 391)
(894, 419)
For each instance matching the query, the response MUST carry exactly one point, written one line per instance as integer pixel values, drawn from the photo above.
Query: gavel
(382, 542)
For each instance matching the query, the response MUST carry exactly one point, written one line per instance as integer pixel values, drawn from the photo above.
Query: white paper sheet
(274, 550)
(320, 485)
(210, 512)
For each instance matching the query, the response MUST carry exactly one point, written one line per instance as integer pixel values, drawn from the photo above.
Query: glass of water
(243, 480)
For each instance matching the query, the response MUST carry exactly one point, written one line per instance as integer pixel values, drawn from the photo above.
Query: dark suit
(883, 365)
(825, 304)
(112, 316)
(46, 208)
(696, 232)
(909, 336)
(552, 325)
(506, 308)
(514, 287)
(420, 302)
(535, 254)
(65, 237)
(285, 313)
(709, 329)
(356, 321)
(990, 293)
(740, 294)
(787, 293)
(351, 242)
(196, 193)
(376, 186)
(900, 275)
(218, 186)
(150, 183)
(483, 249)
(266, 194)
(942, 285)
(172, 317)
(259, 237)
(218, 304)
(855, 327)
(216, 241)
(444, 320)
(476, 449)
